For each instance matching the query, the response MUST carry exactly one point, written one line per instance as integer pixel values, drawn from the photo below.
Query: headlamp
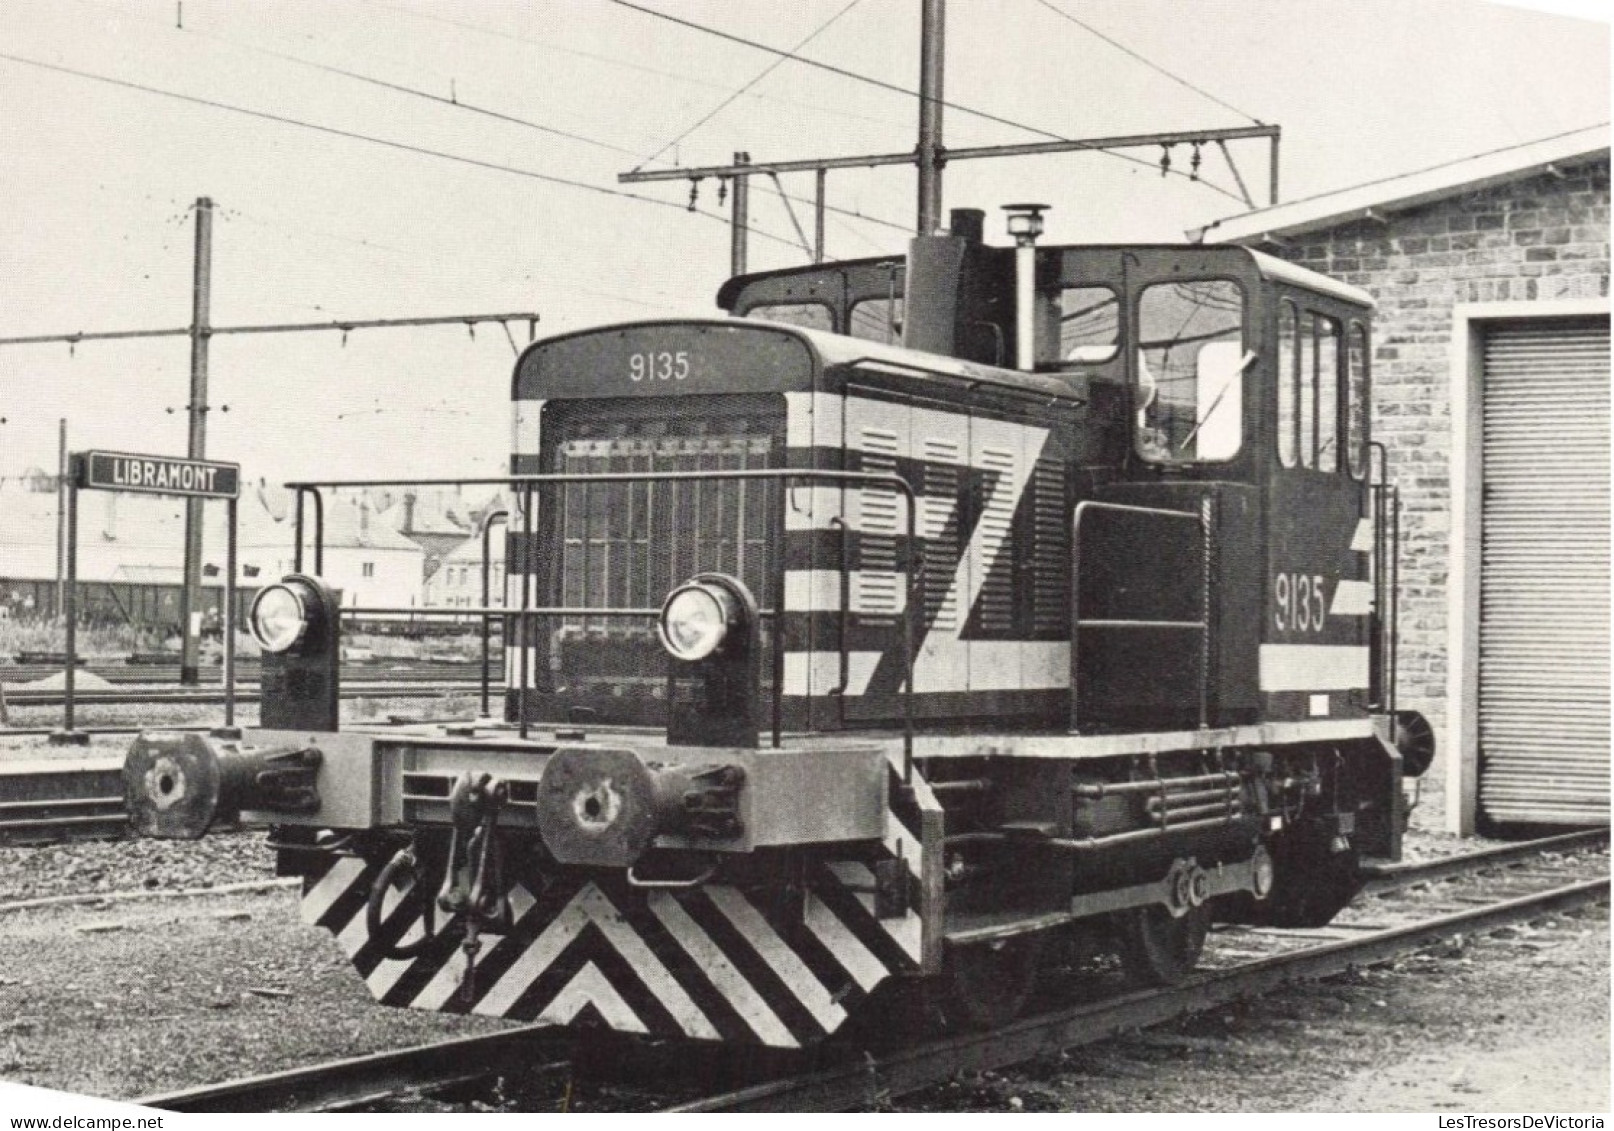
(279, 618)
(696, 619)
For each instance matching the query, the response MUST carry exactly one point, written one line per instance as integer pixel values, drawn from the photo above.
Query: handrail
(523, 486)
(525, 622)
(494, 610)
(488, 520)
(1202, 520)
(319, 528)
(1386, 561)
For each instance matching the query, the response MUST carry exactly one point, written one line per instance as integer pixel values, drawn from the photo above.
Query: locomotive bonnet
(863, 640)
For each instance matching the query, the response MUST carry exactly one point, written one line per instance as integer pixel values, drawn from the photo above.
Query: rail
(350, 1083)
(521, 616)
(860, 1082)
(1078, 622)
(839, 1082)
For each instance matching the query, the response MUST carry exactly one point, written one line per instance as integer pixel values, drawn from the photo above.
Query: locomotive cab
(924, 610)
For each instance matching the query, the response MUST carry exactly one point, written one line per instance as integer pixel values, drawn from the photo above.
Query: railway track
(61, 800)
(854, 1078)
(58, 799)
(15, 675)
(245, 693)
(342, 1085)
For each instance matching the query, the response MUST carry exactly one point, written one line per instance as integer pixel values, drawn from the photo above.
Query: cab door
(1314, 655)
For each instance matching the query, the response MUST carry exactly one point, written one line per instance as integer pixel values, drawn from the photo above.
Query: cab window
(1089, 324)
(877, 320)
(1188, 388)
(807, 315)
(1327, 394)
(1288, 384)
(1356, 402)
(1308, 394)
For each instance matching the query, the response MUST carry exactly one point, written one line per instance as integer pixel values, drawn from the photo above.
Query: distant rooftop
(1409, 190)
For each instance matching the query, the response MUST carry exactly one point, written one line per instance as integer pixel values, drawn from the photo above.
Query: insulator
(694, 192)
(722, 190)
(1165, 160)
(1194, 164)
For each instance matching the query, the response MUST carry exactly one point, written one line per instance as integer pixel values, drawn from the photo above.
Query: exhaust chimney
(937, 276)
(969, 224)
(1025, 225)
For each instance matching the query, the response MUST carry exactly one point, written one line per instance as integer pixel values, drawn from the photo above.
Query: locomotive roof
(1271, 268)
(831, 349)
(1282, 271)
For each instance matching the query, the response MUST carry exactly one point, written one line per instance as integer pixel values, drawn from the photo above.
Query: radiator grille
(624, 545)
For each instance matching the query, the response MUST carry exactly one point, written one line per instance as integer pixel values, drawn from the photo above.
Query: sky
(316, 224)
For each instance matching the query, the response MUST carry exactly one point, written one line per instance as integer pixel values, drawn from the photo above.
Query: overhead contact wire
(764, 73)
(401, 146)
(898, 89)
(455, 103)
(1153, 66)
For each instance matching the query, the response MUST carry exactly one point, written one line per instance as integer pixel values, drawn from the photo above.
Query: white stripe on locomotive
(1352, 599)
(867, 970)
(591, 905)
(739, 993)
(1313, 667)
(777, 954)
(590, 987)
(819, 673)
(524, 427)
(908, 931)
(1362, 539)
(329, 888)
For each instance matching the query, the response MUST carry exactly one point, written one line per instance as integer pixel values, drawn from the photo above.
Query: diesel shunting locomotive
(913, 614)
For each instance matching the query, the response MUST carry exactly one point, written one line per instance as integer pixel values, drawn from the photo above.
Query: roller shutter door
(1544, 574)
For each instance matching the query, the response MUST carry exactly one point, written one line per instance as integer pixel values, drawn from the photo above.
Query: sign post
(146, 475)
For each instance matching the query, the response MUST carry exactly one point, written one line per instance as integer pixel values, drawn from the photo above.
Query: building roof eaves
(1377, 199)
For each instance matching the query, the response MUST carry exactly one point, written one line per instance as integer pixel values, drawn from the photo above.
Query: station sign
(158, 475)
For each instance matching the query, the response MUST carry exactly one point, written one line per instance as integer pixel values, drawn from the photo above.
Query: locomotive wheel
(1158, 949)
(986, 985)
(1313, 885)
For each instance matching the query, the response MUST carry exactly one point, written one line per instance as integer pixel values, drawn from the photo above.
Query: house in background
(1491, 394)
(438, 519)
(458, 580)
(138, 539)
(372, 564)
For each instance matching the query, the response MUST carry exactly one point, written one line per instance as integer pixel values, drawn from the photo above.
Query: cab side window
(877, 320)
(807, 315)
(1288, 384)
(1188, 388)
(1327, 394)
(1308, 392)
(1356, 402)
(1089, 324)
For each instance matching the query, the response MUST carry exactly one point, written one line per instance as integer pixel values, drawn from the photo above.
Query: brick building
(1491, 387)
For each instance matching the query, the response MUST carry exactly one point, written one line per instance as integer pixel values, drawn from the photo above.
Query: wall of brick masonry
(1530, 241)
